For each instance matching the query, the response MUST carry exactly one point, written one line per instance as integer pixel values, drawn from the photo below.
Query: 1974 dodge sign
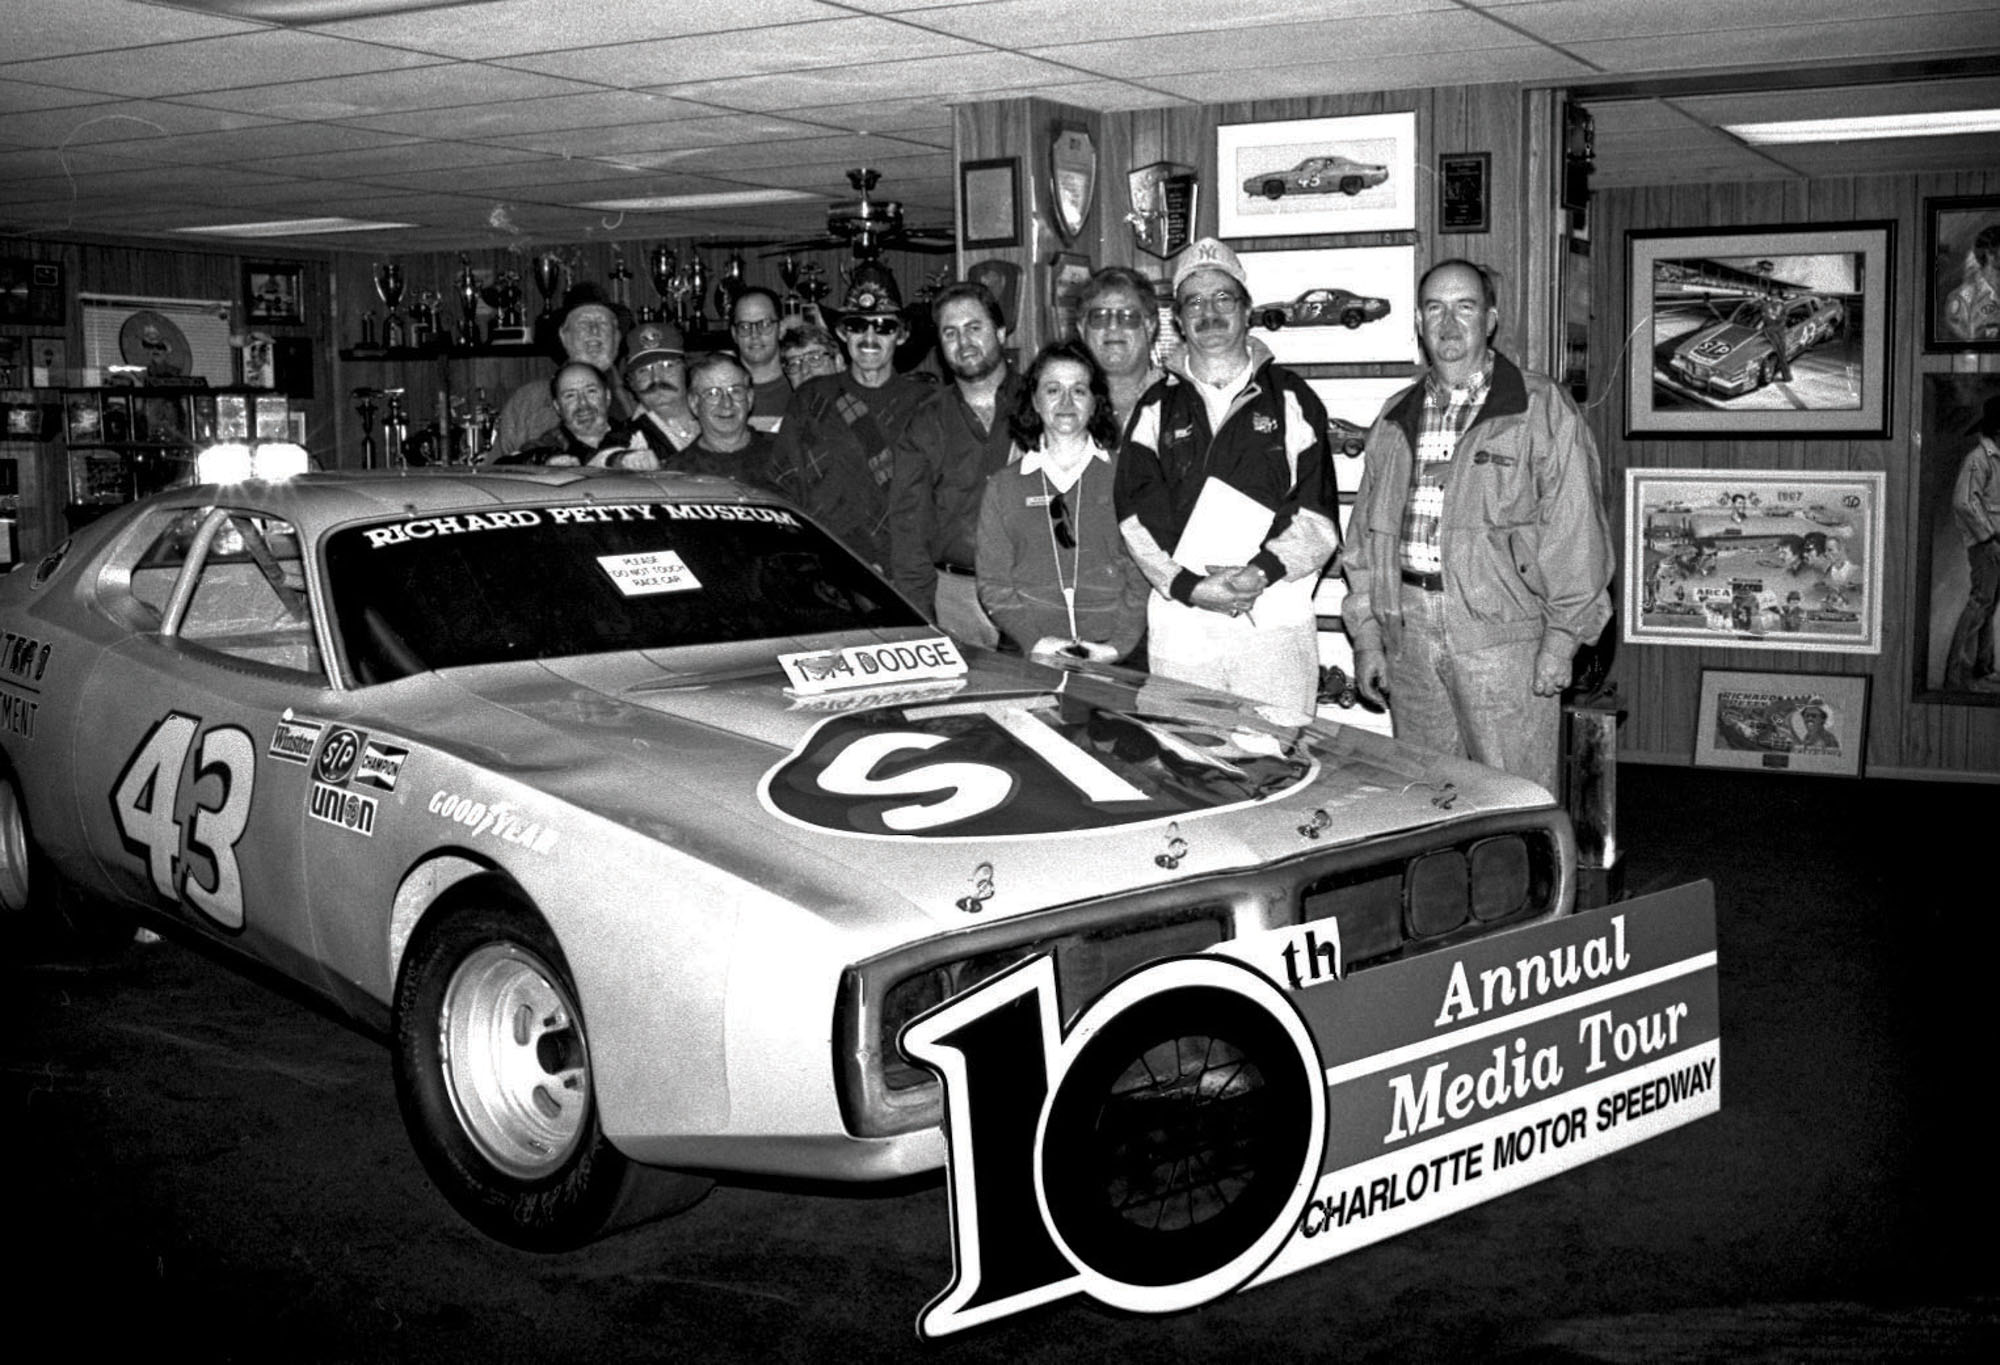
(1211, 1123)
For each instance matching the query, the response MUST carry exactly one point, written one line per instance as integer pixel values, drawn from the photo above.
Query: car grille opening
(1086, 963)
(1386, 911)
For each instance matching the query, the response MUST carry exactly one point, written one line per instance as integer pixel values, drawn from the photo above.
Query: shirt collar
(1443, 394)
(1036, 460)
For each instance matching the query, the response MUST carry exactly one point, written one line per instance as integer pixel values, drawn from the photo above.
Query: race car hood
(1720, 341)
(1021, 785)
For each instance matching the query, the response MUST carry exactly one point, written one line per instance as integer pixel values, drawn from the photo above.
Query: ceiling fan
(867, 225)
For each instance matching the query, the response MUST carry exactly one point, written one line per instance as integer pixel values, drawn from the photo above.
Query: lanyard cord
(1076, 549)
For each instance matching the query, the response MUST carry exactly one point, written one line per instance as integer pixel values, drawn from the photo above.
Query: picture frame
(83, 417)
(1465, 192)
(1352, 405)
(1068, 270)
(31, 292)
(48, 362)
(1943, 565)
(1962, 273)
(1297, 177)
(1284, 280)
(1813, 723)
(989, 195)
(1705, 364)
(1771, 559)
(274, 292)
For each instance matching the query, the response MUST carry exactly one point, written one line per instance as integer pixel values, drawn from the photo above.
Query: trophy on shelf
(730, 285)
(389, 288)
(364, 408)
(395, 432)
(549, 274)
(509, 327)
(696, 274)
(468, 302)
(663, 266)
(424, 318)
(621, 281)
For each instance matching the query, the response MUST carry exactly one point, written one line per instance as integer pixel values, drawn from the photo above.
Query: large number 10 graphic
(1155, 1157)
(144, 801)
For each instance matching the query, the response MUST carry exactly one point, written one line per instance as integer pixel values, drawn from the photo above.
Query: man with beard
(1225, 499)
(754, 318)
(834, 449)
(940, 466)
(579, 397)
(1480, 551)
(589, 334)
(1119, 315)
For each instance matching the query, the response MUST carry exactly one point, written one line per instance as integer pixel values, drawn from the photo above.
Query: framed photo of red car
(1962, 273)
(1300, 176)
(1351, 305)
(1754, 559)
(1953, 633)
(1782, 722)
(1764, 331)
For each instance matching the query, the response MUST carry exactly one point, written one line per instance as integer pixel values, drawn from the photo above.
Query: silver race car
(640, 816)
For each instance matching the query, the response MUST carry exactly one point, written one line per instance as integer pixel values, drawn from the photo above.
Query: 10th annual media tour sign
(1213, 1122)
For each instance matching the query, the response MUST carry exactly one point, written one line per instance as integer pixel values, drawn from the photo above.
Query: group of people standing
(1100, 506)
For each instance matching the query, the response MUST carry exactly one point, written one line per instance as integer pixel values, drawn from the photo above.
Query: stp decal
(329, 801)
(1021, 766)
(1213, 1123)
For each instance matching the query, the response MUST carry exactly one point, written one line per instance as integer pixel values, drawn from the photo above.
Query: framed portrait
(156, 341)
(1782, 722)
(31, 291)
(1952, 639)
(1352, 405)
(1962, 273)
(274, 291)
(122, 421)
(83, 417)
(1754, 559)
(1765, 331)
(1465, 194)
(48, 362)
(1350, 305)
(989, 195)
(1301, 176)
(1067, 273)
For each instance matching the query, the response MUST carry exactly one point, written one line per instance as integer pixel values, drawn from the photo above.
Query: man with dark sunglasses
(833, 450)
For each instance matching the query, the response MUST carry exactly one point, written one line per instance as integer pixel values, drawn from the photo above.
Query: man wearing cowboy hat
(833, 450)
(1225, 499)
(1975, 505)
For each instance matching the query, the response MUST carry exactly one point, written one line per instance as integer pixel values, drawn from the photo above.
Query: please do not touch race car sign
(1215, 1122)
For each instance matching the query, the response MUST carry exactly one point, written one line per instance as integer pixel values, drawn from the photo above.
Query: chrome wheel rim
(515, 1060)
(13, 852)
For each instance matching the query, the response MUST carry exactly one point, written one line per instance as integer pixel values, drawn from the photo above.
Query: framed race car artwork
(1962, 273)
(1351, 305)
(1303, 176)
(1761, 331)
(1782, 722)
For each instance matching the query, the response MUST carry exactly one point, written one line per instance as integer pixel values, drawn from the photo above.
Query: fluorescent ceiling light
(294, 227)
(1941, 124)
(725, 199)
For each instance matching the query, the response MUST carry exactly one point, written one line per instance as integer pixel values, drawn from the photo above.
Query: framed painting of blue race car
(1762, 331)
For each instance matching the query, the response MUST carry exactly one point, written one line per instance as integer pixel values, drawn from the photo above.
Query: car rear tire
(1274, 189)
(494, 1079)
(30, 887)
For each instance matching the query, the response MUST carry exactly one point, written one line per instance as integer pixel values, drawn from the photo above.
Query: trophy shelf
(526, 350)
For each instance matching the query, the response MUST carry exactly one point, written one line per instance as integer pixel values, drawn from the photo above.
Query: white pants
(1274, 659)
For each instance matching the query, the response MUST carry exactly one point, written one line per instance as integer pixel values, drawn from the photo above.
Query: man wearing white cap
(589, 336)
(1225, 499)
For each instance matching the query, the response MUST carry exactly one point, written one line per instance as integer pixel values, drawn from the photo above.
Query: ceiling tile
(948, 79)
(1047, 23)
(471, 122)
(1378, 73)
(1780, 46)
(64, 28)
(120, 121)
(391, 92)
(512, 27)
(722, 130)
(398, 155)
(748, 52)
(255, 58)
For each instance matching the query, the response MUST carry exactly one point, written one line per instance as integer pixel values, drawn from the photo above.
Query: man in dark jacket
(1225, 500)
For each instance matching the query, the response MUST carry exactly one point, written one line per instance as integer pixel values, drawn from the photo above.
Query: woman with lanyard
(1053, 573)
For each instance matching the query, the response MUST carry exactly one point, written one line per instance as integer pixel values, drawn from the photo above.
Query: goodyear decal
(496, 820)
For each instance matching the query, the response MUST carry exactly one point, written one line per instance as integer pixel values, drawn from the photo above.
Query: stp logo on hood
(338, 753)
(1021, 766)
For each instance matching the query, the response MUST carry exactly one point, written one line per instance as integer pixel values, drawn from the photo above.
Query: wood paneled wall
(1660, 683)
(149, 270)
(1517, 127)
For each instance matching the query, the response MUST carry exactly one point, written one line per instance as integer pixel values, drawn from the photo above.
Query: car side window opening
(231, 582)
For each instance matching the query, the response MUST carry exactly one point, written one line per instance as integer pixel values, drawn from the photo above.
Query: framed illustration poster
(1299, 176)
(1962, 273)
(1352, 405)
(1782, 722)
(1768, 331)
(1952, 641)
(1754, 559)
(1352, 305)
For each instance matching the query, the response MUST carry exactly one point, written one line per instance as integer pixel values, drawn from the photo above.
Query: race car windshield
(554, 582)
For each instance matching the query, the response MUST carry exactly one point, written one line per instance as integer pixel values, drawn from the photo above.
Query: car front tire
(1352, 318)
(493, 1075)
(1274, 189)
(1273, 318)
(30, 887)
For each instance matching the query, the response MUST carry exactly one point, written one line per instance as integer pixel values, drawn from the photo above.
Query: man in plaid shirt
(1479, 555)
